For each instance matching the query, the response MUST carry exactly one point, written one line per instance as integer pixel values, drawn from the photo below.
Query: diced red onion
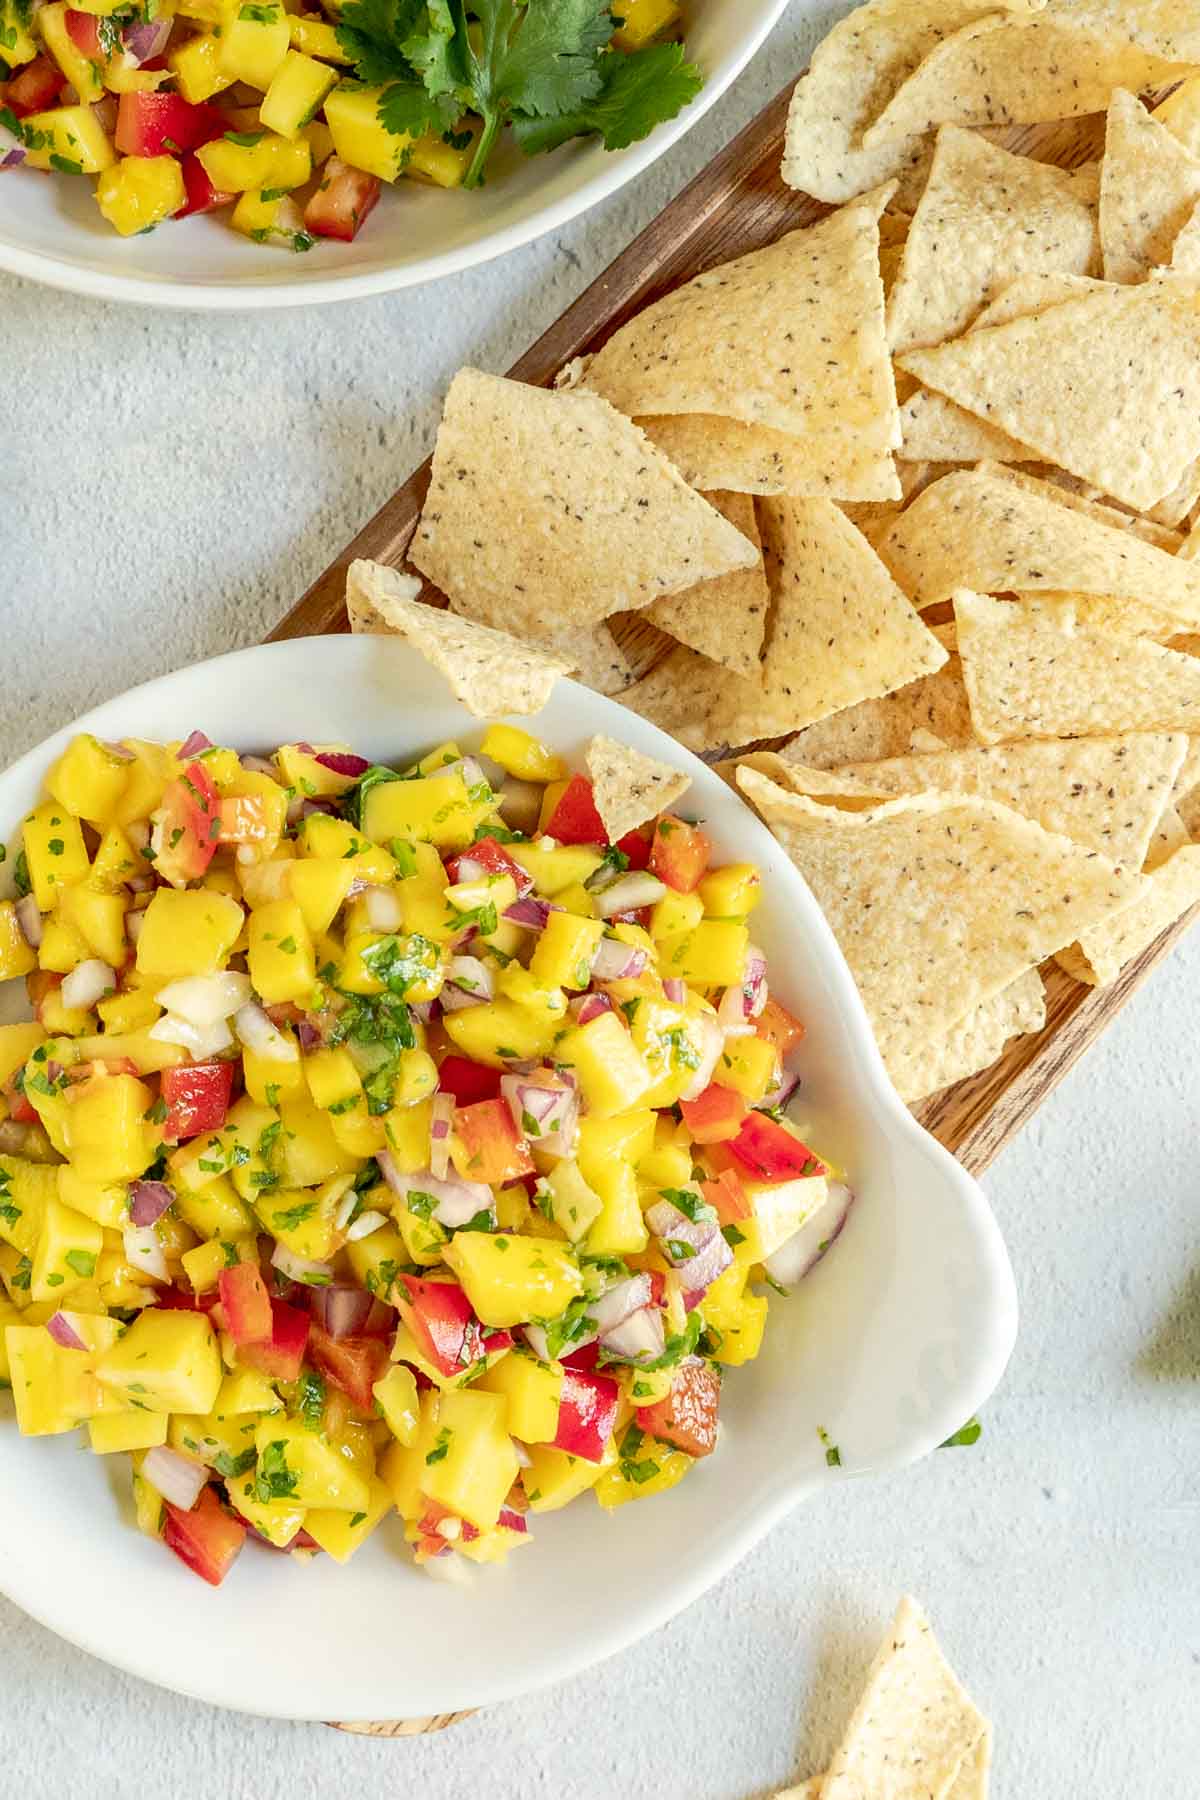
(533, 914)
(615, 961)
(364, 1225)
(64, 1333)
(779, 1096)
(143, 1251)
(88, 982)
(383, 909)
(422, 1010)
(345, 1211)
(340, 1309)
(639, 1338)
(510, 1518)
(471, 772)
(343, 762)
(301, 1268)
(193, 744)
(260, 765)
(710, 1055)
(205, 999)
(805, 1248)
(638, 888)
(698, 1275)
(309, 1035)
(12, 150)
(754, 981)
(520, 804)
(669, 1224)
(256, 1031)
(457, 1201)
(203, 1041)
(177, 1478)
(53, 1071)
(586, 1007)
(440, 1121)
(30, 920)
(731, 1014)
(617, 1303)
(675, 990)
(468, 983)
(535, 1337)
(552, 1105)
(469, 869)
(142, 42)
(149, 1200)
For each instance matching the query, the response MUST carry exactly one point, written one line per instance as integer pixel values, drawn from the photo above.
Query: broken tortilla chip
(723, 619)
(1029, 675)
(938, 901)
(969, 1047)
(790, 337)
(1171, 890)
(546, 512)
(1106, 385)
(1149, 186)
(985, 218)
(489, 671)
(714, 453)
(630, 788)
(979, 530)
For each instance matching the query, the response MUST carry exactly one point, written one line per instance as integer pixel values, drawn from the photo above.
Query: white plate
(51, 229)
(889, 1346)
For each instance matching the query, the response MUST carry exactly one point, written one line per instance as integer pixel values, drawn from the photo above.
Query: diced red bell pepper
(174, 1299)
(687, 1418)
(281, 1355)
(495, 859)
(34, 88)
(353, 1364)
(492, 1149)
(190, 821)
(497, 1340)
(586, 1413)
(770, 1152)
(202, 196)
(658, 1287)
(163, 124)
(714, 1115)
(197, 1098)
(679, 854)
(18, 1106)
(246, 1302)
(342, 201)
(83, 29)
(636, 846)
(585, 1358)
(776, 1024)
(469, 1082)
(207, 1538)
(575, 819)
(727, 1197)
(440, 1317)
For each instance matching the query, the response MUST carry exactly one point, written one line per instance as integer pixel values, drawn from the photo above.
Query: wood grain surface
(737, 204)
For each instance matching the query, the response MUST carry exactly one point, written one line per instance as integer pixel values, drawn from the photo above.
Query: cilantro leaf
(373, 33)
(639, 91)
(539, 59)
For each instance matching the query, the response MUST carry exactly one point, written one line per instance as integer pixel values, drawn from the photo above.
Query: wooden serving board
(737, 204)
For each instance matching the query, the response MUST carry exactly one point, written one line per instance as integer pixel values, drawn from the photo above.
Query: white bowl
(51, 229)
(888, 1346)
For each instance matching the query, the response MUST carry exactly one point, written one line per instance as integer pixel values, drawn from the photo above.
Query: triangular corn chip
(723, 619)
(1035, 292)
(938, 901)
(1028, 675)
(986, 217)
(1149, 185)
(1180, 113)
(594, 657)
(971, 1045)
(1066, 490)
(1107, 385)
(979, 530)
(712, 453)
(790, 337)
(971, 1781)
(489, 671)
(1185, 252)
(936, 704)
(1170, 835)
(548, 511)
(1172, 889)
(630, 788)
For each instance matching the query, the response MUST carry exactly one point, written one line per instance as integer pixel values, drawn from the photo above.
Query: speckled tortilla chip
(1028, 675)
(1002, 70)
(1185, 252)
(546, 512)
(489, 671)
(1104, 613)
(1149, 185)
(975, 529)
(594, 657)
(936, 430)
(885, 727)
(938, 901)
(971, 1045)
(1035, 292)
(1107, 385)
(1170, 835)
(1067, 490)
(712, 452)
(630, 788)
(1102, 952)
(1104, 793)
(790, 337)
(1180, 113)
(985, 218)
(874, 518)
(723, 619)
(855, 70)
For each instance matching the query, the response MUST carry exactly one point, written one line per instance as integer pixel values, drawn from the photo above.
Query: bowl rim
(613, 174)
(741, 1532)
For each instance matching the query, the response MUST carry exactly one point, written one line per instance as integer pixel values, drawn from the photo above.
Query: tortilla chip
(630, 788)
(714, 453)
(971, 1782)
(595, 658)
(874, 518)
(489, 671)
(1170, 835)
(1103, 612)
(936, 430)
(938, 901)
(1028, 675)
(1187, 809)
(1107, 385)
(979, 530)
(548, 511)
(1007, 71)
(1107, 794)
(1149, 185)
(971, 1045)
(790, 337)
(886, 727)
(1180, 113)
(986, 217)
(830, 787)
(723, 619)
(361, 610)
(1103, 951)
(1034, 292)
(1068, 490)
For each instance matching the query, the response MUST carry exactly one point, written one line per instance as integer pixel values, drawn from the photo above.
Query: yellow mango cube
(532, 1391)
(187, 931)
(352, 114)
(340, 1534)
(617, 1486)
(53, 1389)
(732, 891)
(750, 1065)
(640, 22)
(313, 33)
(319, 886)
(564, 952)
(399, 1402)
(472, 1464)
(84, 74)
(107, 1202)
(554, 870)
(403, 1465)
(674, 913)
(70, 139)
(499, 1031)
(511, 1279)
(139, 192)
(255, 41)
(282, 964)
(110, 1138)
(99, 918)
(712, 954)
(304, 1466)
(16, 956)
(441, 164)
(277, 1520)
(215, 1210)
(434, 809)
(88, 780)
(197, 68)
(126, 1431)
(54, 851)
(553, 1478)
(68, 1249)
(521, 755)
(573, 1204)
(298, 87)
(612, 1074)
(166, 1361)
(262, 160)
(619, 1228)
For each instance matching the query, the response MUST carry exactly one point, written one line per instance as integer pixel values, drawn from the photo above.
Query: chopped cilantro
(970, 1433)
(275, 1481)
(441, 1448)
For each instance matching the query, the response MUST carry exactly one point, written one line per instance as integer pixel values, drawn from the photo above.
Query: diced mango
(53, 1389)
(658, 1467)
(532, 1391)
(16, 955)
(640, 22)
(127, 1431)
(166, 1361)
(340, 1534)
(139, 192)
(70, 139)
(712, 954)
(498, 1032)
(612, 1074)
(187, 932)
(352, 114)
(750, 1065)
(553, 1478)
(268, 161)
(109, 1135)
(510, 1279)
(298, 87)
(254, 42)
(54, 851)
(82, 71)
(398, 1401)
(563, 957)
(68, 1249)
(306, 1467)
(472, 1464)
(521, 755)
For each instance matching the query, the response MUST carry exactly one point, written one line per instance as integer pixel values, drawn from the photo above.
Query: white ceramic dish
(894, 1341)
(51, 230)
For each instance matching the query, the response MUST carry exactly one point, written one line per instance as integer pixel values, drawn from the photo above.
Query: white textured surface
(168, 486)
